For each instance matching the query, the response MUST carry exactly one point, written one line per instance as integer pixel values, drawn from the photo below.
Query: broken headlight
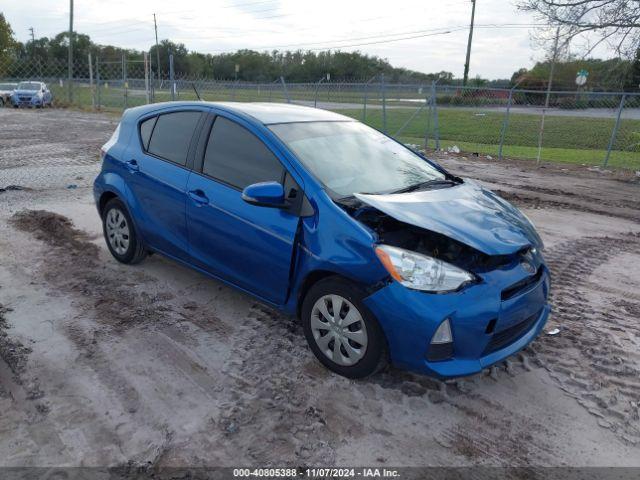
(420, 272)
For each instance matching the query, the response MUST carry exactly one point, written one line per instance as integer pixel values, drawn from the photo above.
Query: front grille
(521, 286)
(509, 335)
(25, 99)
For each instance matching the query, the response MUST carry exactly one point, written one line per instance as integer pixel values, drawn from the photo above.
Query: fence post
(124, 81)
(172, 81)
(284, 87)
(315, 96)
(98, 82)
(614, 133)
(505, 124)
(384, 103)
(428, 102)
(93, 92)
(146, 77)
(364, 103)
(434, 104)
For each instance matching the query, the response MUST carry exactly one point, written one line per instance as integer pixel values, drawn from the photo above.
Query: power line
(380, 38)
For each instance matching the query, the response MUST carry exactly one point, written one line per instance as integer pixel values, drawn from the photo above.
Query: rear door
(158, 168)
(247, 245)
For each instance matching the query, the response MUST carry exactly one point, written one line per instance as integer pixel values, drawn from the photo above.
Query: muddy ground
(155, 364)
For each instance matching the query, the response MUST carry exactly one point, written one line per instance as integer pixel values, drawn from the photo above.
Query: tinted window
(146, 128)
(238, 157)
(172, 135)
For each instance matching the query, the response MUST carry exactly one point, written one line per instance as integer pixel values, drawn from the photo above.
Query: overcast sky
(430, 35)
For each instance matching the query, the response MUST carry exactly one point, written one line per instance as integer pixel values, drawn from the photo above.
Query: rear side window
(146, 128)
(172, 135)
(237, 157)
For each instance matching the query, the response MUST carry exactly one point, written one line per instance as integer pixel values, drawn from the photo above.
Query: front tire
(120, 233)
(341, 331)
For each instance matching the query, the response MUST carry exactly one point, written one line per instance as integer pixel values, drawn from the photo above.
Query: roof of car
(269, 113)
(265, 113)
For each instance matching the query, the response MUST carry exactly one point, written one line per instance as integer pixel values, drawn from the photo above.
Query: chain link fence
(583, 127)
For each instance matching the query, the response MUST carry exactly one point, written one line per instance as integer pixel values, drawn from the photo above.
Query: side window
(172, 135)
(146, 128)
(237, 157)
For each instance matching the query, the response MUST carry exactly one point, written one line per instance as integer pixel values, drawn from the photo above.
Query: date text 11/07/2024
(316, 472)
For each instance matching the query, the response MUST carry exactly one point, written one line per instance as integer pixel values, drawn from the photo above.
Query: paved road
(628, 113)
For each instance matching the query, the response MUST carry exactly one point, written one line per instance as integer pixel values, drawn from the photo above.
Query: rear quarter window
(146, 127)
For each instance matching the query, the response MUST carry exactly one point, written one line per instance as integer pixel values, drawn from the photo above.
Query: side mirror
(265, 194)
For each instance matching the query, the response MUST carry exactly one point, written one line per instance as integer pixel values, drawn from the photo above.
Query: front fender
(332, 241)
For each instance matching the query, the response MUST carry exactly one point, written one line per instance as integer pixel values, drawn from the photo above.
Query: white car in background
(6, 90)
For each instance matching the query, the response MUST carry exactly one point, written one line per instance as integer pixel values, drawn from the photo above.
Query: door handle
(198, 197)
(132, 166)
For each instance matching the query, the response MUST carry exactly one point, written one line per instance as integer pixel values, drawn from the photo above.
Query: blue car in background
(381, 253)
(31, 94)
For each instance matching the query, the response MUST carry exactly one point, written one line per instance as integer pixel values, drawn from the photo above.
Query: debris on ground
(453, 149)
(12, 188)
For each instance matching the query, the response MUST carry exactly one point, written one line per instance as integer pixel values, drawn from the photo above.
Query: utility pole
(155, 25)
(466, 63)
(70, 63)
(33, 39)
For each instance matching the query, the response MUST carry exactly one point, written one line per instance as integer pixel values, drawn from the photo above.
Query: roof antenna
(193, 85)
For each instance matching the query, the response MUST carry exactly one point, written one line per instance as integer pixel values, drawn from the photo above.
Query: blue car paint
(270, 253)
(467, 212)
(30, 98)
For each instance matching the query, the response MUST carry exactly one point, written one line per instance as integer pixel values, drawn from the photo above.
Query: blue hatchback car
(381, 253)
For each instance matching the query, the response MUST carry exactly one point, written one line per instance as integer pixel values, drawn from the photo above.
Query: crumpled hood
(467, 213)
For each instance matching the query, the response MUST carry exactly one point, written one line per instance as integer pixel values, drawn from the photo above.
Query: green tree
(632, 83)
(180, 60)
(7, 42)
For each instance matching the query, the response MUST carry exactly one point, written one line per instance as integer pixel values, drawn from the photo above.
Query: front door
(247, 245)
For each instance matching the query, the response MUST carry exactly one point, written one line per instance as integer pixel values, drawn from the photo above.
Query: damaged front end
(396, 233)
(459, 324)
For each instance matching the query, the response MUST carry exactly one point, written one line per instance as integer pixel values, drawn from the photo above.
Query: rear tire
(120, 233)
(341, 332)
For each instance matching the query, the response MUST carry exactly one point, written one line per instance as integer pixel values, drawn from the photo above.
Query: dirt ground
(155, 364)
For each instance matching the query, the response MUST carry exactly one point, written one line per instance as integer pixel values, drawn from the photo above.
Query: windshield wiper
(426, 185)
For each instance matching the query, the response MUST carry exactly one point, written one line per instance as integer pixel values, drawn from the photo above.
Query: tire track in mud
(109, 308)
(269, 387)
(594, 358)
(271, 415)
(524, 199)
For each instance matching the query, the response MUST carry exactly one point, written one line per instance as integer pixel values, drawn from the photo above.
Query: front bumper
(487, 326)
(22, 101)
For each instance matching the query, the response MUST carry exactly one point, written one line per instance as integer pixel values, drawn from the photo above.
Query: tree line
(48, 57)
